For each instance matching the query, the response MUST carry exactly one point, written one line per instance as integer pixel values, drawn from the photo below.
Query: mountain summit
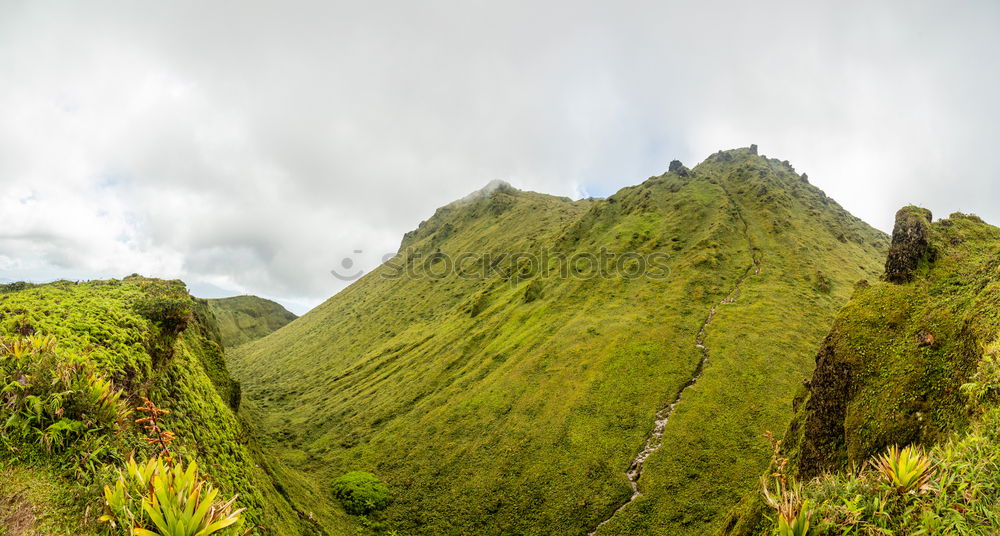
(530, 364)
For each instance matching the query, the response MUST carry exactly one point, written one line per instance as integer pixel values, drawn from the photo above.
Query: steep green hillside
(243, 319)
(148, 338)
(507, 392)
(912, 359)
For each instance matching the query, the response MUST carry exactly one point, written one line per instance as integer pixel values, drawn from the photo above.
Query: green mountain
(243, 319)
(528, 364)
(75, 360)
(912, 359)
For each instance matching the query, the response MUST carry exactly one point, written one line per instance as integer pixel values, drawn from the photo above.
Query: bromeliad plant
(151, 423)
(785, 495)
(163, 498)
(907, 469)
(158, 498)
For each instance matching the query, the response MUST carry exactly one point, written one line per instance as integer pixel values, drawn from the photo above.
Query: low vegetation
(160, 497)
(58, 408)
(79, 364)
(952, 489)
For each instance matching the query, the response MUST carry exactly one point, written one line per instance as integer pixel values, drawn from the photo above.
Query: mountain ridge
(531, 364)
(401, 367)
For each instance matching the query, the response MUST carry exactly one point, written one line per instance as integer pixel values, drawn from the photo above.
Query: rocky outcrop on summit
(910, 243)
(677, 167)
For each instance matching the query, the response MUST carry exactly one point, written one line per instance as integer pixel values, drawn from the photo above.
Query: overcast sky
(250, 146)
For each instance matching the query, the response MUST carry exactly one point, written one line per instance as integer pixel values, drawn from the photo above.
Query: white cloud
(249, 147)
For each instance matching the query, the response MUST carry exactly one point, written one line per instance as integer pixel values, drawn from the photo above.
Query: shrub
(361, 493)
(984, 386)
(54, 401)
(15, 287)
(822, 283)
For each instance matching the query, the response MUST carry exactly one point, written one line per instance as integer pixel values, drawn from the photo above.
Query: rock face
(823, 442)
(910, 244)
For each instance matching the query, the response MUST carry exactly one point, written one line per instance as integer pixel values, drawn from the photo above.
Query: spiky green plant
(156, 498)
(797, 524)
(907, 469)
(794, 513)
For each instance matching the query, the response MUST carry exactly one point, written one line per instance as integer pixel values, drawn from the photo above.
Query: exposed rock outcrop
(910, 244)
(677, 167)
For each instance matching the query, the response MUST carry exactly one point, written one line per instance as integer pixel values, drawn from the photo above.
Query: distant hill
(911, 359)
(242, 319)
(499, 389)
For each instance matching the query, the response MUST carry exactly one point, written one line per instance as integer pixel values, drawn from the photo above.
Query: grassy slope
(242, 319)
(895, 388)
(760, 347)
(522, 419)
(97, 321)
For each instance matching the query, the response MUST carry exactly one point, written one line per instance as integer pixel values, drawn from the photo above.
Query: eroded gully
(655, 439)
